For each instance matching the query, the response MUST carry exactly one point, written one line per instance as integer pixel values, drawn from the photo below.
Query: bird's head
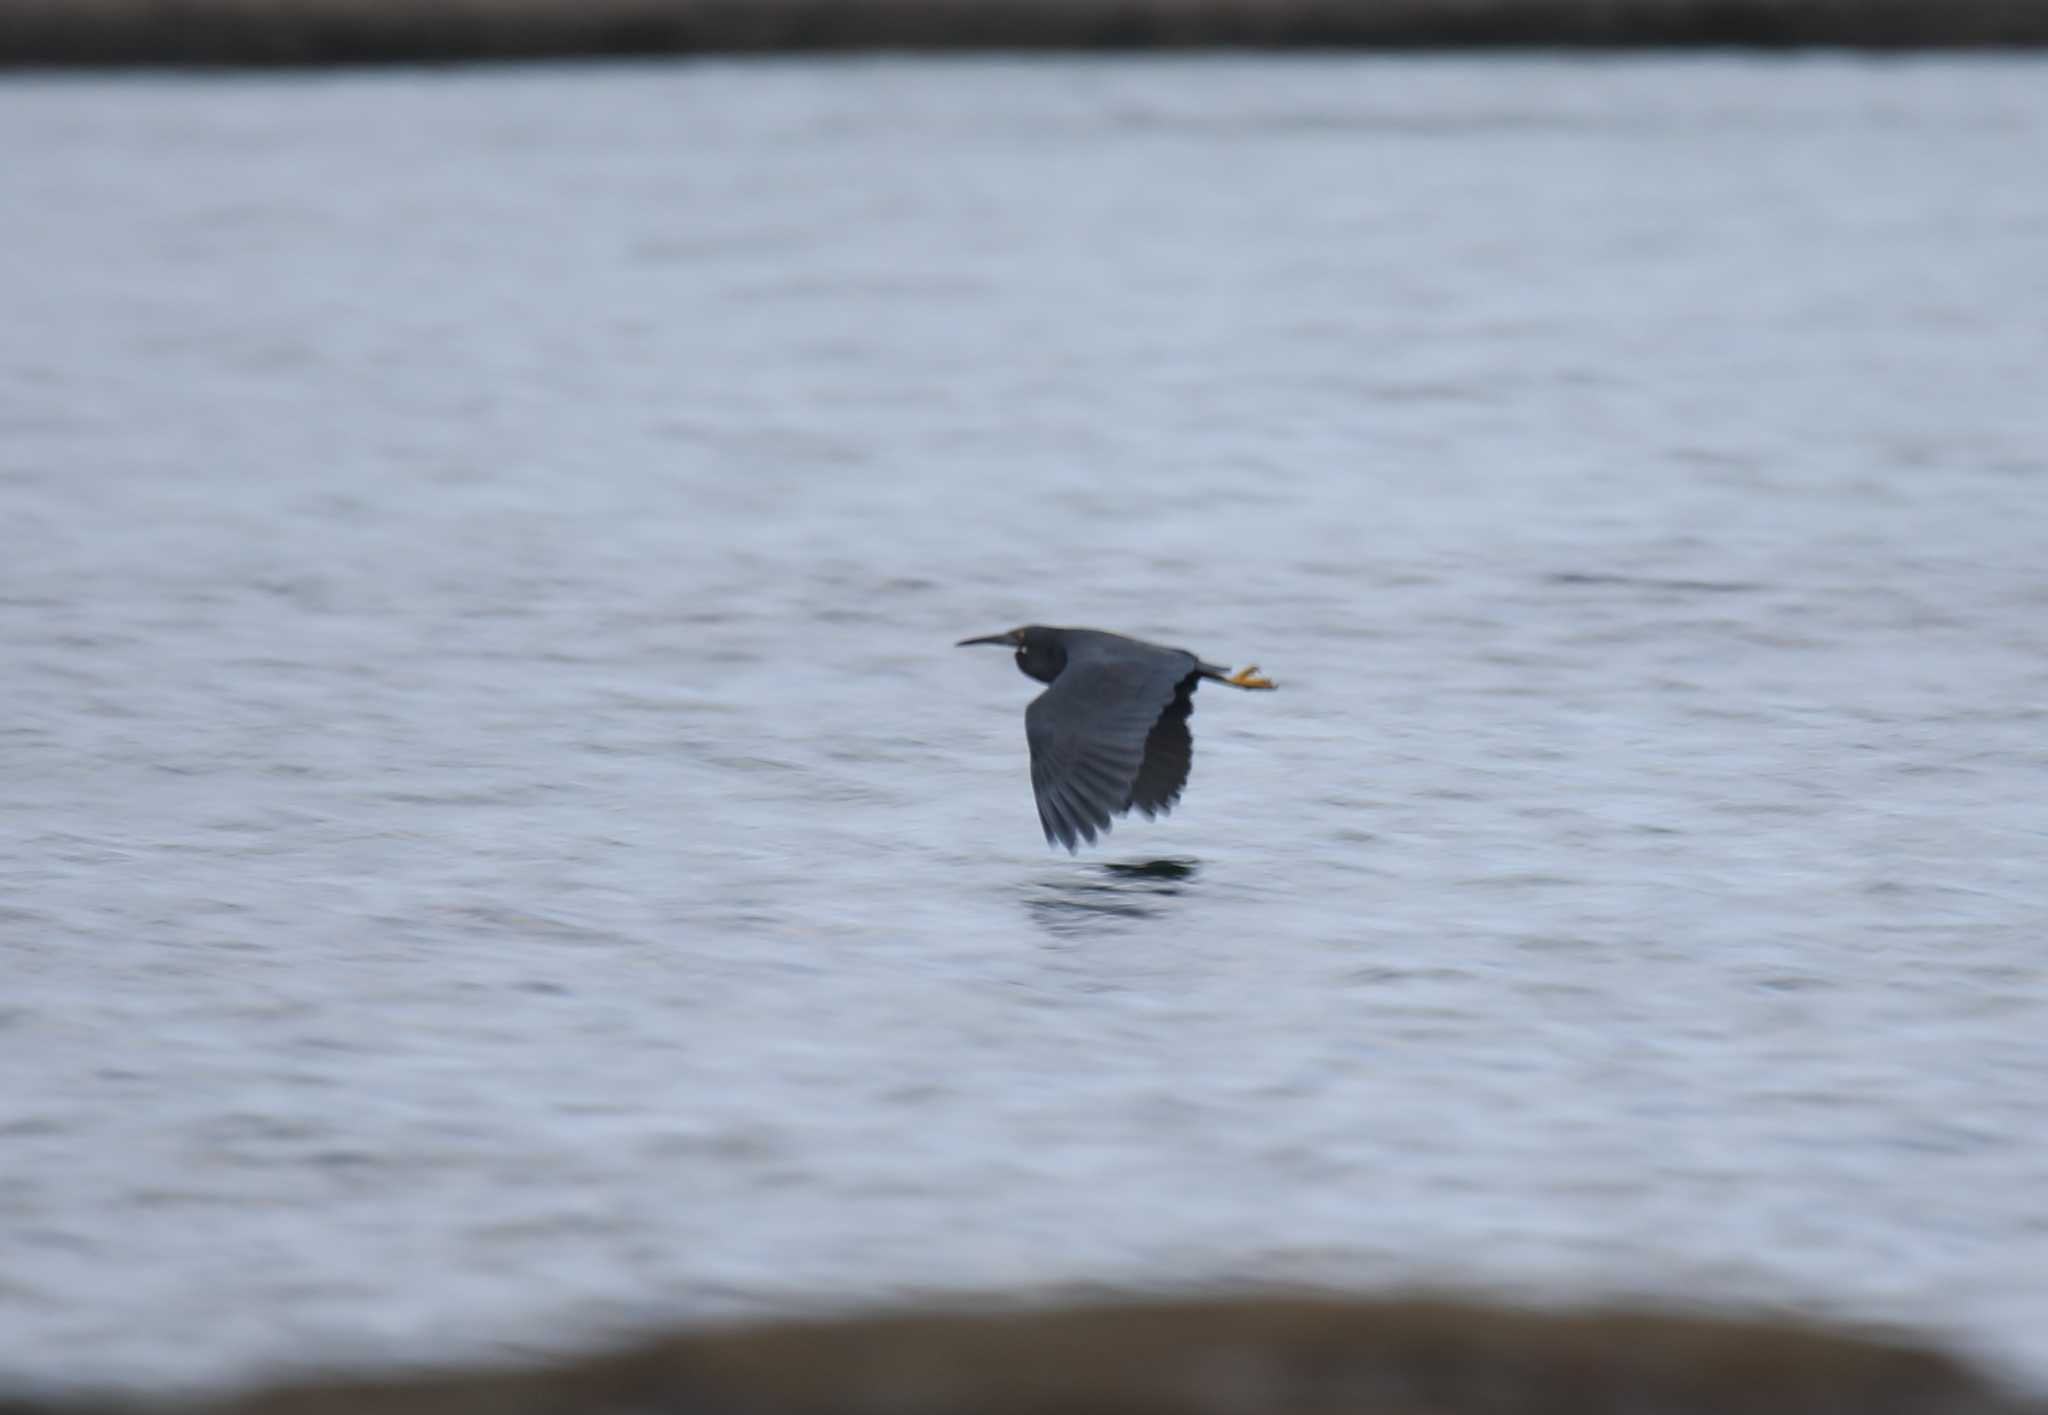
(1041, 652)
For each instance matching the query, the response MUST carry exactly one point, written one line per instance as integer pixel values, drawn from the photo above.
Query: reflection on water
(1107, 894)
(1171, 868)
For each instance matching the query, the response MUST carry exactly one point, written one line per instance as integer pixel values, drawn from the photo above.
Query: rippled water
(497, 844)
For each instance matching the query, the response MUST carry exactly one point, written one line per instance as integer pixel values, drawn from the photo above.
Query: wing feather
(1109, 734)
(1169, 752)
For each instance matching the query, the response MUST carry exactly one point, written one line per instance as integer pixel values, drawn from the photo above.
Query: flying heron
(1112, 730)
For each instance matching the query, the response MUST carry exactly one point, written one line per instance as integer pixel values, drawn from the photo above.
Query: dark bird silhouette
(1111, 733)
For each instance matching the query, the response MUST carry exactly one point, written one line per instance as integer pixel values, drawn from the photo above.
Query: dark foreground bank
(264, 32)
(1386, 1356)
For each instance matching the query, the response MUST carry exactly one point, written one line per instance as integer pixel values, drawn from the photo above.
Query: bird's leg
(1248, 677)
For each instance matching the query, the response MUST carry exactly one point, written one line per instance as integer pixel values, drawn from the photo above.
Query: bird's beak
(1010, 638)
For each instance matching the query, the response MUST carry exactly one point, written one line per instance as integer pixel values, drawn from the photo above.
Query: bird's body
(1111, 732)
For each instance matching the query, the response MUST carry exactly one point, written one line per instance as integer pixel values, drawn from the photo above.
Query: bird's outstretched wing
(1169, 750)
(1110, 733)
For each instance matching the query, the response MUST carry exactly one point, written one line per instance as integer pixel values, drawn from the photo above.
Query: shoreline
(307, 33)
(1245, 1355)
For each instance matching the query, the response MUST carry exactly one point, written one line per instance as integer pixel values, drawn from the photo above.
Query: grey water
(497, 847)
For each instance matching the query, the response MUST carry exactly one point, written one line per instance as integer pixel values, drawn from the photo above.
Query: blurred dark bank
(265, 32)
(1248, 1356)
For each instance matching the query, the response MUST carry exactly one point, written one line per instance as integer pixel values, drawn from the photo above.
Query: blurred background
(497, 848)
(159, 32)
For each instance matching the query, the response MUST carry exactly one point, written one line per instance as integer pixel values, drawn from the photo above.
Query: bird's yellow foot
(1248, 677)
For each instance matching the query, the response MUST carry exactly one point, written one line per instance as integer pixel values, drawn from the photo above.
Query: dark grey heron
(1111, 732)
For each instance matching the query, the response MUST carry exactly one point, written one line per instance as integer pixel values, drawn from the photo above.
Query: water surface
(496, 845)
